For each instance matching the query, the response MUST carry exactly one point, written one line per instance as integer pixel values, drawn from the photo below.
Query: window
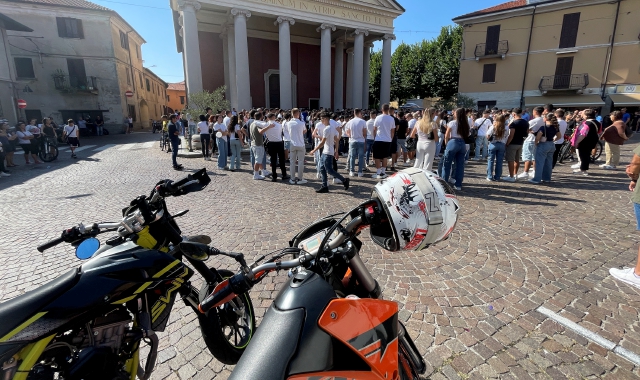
(69, 27)
(128, 76)
(182, 100)
(569, 34)
(148, 85)
(124, 40)
(489, 73)
(24, 68)
(131, 110)
(135, 47)
(168, 98)
(141, 85)
(486, 104)
(493, 39)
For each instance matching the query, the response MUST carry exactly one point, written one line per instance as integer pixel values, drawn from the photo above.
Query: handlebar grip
(50, 244)
(221, 294)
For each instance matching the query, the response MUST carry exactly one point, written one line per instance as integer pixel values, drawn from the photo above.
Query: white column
(350, 78)
(325, 64)
(365, 75)
(385, 72)
(191, 44)
(286, 97)
(338, 83)
(358, 66)
(233, 85)
(225, 60)
(242, 58)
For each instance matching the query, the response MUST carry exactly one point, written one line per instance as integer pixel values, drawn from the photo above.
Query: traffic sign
(129, 94)
(22, 103)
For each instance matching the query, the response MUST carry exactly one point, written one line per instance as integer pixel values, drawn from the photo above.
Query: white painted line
(127, 147)
(590, 335)
(80, 149)
(149, 144)
(100, 149)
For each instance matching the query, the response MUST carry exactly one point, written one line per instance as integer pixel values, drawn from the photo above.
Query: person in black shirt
(174, 136)
(401, 133)
(518, 132)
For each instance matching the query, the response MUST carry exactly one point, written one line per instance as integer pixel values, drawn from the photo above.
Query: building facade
(8, 92)
(285, 53)
(176, 96)
(571, 53)
(79, 61)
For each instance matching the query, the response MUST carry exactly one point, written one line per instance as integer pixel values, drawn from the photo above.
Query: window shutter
(569, 34)
(489, 73)
(493, 39)
(80, 31)
(62, 27)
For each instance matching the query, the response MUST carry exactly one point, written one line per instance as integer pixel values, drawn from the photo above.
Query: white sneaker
(532, 174)
(508, 179)
(266, 173)
(302, 182)
(452, 181)
(626, 275)
(258, 176)
(293, 181)
(575, 166)
(382, 176)
(375, 175)
(608, 167)
(352, 174)
(602, 165)
(360, 175)
(336, 181)
(3, 174)
(523, 175)
(318, 175)
(457, 188)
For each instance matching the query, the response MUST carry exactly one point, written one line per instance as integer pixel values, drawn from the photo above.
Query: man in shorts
(257, 130)
(73, 136)
(384, 128)
(518, 131)
(529, 146)
(632, 275)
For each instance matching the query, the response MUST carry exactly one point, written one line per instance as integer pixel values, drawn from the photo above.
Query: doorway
(272, 89)
(562, 79)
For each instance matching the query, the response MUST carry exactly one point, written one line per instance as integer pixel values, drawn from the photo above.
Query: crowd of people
(380, 142)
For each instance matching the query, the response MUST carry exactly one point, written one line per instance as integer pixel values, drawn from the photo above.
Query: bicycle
(164, 141)
(48, 150)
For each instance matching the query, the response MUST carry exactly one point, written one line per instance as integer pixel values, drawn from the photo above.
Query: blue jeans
(496, 156)
(222, 152)
(174, 151)
(236, 149)
(544, 161)
(455, 152)
(369, 149)
(99, 130)
(356, 149)
(439, 146)
(327, 167)
(482, 144)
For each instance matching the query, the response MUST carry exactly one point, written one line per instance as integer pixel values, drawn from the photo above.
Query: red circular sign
(22, 103)
(129, 94)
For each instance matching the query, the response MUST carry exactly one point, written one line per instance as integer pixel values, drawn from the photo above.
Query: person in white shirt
(296, 129)
(482, 144)
(73, 136)
(234, 112)
(205, 137)
(329, 145)
(384, 129)
(529, 146)
(275, 148)
(317, 135)
(562, 125)
(498, 132)
(356, 130)
(370, 135)
(220, 130)
(227, 119)
(285, 136)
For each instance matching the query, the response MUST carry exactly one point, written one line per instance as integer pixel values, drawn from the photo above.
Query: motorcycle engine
(93, 352)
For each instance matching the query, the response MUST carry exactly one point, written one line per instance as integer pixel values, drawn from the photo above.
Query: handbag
(411, 143)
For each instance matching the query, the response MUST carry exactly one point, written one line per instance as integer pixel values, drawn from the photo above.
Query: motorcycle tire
(214, 323)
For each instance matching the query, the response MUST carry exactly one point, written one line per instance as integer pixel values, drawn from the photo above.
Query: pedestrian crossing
(119, 147)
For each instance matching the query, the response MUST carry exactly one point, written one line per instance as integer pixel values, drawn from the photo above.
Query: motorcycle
(89, 323)
(329, 321)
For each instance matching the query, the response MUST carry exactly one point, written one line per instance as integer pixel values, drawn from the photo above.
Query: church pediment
(391, 5)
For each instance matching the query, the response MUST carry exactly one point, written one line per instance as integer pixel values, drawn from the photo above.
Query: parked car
(411, 107)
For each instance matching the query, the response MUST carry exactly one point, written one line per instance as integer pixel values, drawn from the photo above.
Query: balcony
(66, 83)
(484, 51)
(566, 83)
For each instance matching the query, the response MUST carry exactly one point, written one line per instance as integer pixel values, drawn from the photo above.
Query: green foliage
(375, 68)
(199, 101)
(427, 69)
(456, 101)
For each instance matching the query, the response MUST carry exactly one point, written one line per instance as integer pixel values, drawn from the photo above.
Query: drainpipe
(608, 65)
(526, 64)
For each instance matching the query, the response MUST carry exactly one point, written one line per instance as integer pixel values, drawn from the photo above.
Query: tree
(456, 101)
(199, 101)
(375, 68)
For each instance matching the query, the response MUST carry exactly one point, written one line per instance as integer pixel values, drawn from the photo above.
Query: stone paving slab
(469, 303)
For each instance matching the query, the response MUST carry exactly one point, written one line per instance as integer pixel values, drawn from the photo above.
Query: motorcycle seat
(16, 311)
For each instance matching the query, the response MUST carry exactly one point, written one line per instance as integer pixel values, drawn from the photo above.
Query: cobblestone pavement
(469, 303)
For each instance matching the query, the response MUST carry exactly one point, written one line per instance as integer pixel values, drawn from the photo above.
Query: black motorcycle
(89, 323)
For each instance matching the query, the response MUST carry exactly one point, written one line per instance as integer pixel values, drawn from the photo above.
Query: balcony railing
(75, 83)
(572, 82)
(488, 51)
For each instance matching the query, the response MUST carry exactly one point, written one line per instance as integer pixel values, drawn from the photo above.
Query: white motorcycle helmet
(421, 209)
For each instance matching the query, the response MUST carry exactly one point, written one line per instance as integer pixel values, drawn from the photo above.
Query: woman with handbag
(25, 140)
(426, 129)
(545, 139)
(585, 139)
(497, 136)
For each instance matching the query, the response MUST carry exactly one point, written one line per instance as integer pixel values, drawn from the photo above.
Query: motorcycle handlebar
(50, 244)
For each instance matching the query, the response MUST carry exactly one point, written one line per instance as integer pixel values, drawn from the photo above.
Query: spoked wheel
(597, 151)
(227, 329)
(565, 153)
(48, 152)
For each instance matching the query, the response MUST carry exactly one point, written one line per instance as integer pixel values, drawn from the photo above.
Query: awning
(565, 101)
(625, 100)
(11, 24)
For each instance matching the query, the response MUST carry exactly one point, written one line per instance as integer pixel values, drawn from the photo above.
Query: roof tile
(180, 86)
(66, 3)
(497, 8)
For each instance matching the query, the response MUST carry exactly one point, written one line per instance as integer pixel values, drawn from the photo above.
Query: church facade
(285, 53)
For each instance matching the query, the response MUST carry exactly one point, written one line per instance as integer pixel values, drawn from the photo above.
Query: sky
(152, 19)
